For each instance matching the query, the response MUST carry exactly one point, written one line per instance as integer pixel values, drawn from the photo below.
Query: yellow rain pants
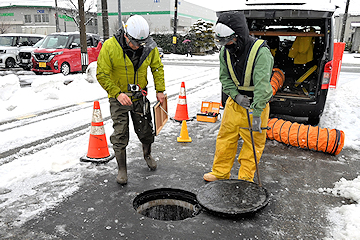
(233, 120)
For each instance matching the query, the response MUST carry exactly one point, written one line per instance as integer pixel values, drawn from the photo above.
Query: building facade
(158, 13)
(40, 20)
(351, 34)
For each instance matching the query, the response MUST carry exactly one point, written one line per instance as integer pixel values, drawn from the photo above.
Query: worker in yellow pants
(232, 128)
(245, 70)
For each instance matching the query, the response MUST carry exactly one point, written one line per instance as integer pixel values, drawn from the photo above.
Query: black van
(306, 83)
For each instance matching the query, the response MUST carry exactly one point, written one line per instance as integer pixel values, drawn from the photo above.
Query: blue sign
(40, 11)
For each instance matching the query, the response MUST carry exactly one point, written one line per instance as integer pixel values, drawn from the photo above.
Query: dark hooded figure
(245, 69)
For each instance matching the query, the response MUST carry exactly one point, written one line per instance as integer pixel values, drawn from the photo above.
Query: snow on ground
(342, 111)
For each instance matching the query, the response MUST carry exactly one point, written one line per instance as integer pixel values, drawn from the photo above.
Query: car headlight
(54, 54)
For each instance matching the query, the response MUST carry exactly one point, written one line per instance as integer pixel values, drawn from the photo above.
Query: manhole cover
(167, 204)
(232, 197)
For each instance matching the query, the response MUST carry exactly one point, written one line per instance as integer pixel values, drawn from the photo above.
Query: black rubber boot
(148, 158)
(122, 171)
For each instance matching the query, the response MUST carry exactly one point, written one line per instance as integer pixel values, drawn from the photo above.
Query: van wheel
(10, 63)
(313, 120)
(65, 68)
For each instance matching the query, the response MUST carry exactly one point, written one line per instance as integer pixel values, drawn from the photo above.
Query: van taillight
(327, 75)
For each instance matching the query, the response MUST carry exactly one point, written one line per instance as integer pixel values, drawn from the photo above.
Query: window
(37, 18)
(23, 41)
(27, 18)
(77, 40)
(89, 41)
(33, 40)
(41, 18)
(45, 17)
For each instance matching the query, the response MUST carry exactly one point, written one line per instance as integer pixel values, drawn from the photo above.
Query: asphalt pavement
(103, 209)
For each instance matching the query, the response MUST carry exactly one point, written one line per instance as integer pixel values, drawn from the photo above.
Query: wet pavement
(102, 209)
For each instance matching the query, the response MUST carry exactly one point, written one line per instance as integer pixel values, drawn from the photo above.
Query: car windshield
(7, 41)
(55, 41)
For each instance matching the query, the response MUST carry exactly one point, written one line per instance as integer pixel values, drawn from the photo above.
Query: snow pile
(9, 84)
(346, 219)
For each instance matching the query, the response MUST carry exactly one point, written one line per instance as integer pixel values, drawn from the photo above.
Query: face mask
(232, 48)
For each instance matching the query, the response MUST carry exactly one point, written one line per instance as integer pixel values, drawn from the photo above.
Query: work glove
(242, 100)
(256, 124)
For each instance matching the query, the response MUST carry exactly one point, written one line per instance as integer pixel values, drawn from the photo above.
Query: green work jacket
(115, 70)
(261, 75)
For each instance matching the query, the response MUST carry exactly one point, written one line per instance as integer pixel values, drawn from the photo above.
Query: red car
(60, 52)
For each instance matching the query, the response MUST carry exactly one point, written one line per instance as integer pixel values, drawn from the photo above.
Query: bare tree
(4, 26)
(73, 11)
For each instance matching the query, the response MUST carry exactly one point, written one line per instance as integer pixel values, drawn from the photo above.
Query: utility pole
(57, 18)
(119, 14)
(105, 19)
(175, 27)
(84, 55)
(344, 21)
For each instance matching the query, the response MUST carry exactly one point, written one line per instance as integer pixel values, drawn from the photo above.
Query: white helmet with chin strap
(137, 28)
(221, 30)
(223, 34)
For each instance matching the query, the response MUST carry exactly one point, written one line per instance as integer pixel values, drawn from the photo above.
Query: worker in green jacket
(122, 71)
(245, 69)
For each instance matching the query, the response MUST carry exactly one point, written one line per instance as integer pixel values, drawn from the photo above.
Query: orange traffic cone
(181, 109)
(98, 149)
(184, 135)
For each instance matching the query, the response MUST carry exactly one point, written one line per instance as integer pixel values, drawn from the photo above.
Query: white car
(11, 43)
(25, 55)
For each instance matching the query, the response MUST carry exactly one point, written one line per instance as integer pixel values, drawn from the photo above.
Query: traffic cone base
(184, 135)
(98, 149)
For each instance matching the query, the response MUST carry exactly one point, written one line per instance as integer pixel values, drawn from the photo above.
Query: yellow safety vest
(246, 86)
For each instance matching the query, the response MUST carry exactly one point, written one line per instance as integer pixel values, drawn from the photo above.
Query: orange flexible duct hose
(306, 136)
(277, 79)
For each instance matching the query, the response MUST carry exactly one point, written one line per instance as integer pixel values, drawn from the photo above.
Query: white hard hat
(221, 30)
(137, 27)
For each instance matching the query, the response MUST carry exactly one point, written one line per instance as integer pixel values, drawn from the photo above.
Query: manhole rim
(174, 194)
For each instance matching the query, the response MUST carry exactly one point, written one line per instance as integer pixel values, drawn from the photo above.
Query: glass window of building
(45, 17)
(27, 18)
(37, 18)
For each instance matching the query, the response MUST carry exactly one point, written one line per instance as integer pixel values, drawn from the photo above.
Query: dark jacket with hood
(239, 54)
(118, 65)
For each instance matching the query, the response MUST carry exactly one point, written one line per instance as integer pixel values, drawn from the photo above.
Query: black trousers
(142, 123)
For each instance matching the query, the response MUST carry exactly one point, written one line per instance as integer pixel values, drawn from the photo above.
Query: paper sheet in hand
(160, 115)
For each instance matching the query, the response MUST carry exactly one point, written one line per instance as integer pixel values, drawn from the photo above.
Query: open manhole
(167, 204)
(224, 198)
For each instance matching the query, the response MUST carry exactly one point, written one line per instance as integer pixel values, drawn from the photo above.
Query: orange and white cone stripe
(181, 109)
(98, 149)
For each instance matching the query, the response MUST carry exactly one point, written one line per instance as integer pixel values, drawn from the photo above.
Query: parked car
(60, 52)
(280, 25)
(25, 55)
(11, 43)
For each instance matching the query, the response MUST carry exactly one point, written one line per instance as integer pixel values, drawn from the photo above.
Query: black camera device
(133, 88)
